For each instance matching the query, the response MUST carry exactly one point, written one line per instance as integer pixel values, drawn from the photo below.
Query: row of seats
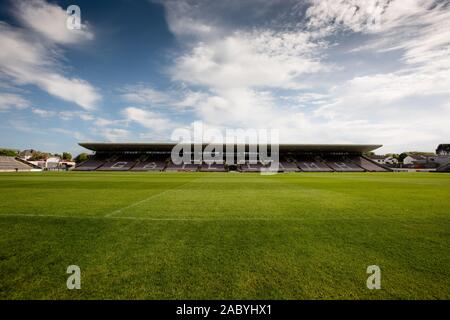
(102, 162)
(444, 168)
(11, 164)
(313, 166)
(338, 164)
(127, 163)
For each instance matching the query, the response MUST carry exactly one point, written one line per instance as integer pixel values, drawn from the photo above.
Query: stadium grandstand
(292, 158)
(11, 164)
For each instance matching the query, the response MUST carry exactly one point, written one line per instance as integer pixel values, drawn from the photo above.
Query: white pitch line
(192, 219)
(25, 215)
(111, 214)
(55, 216)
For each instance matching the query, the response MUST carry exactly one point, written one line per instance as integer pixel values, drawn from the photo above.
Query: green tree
(66, 156)
(8, 152)
(38, 155)
(402, 156)
(81, 157)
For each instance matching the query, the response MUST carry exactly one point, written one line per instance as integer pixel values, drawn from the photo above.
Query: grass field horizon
(224, 235)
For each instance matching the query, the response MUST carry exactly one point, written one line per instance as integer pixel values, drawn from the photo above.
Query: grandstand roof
(167, 146)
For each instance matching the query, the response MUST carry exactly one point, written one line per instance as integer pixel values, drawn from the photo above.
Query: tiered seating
(310, 164)
(117, 163)
(368, 165)
(288, 165)
(149, 166)
(212, 167)
(343, 164)
(444, 168)
(89, 165)
(150, 163)
(11, 164)
(117, 166)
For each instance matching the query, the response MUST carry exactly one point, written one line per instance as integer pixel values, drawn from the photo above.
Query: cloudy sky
(319, 71)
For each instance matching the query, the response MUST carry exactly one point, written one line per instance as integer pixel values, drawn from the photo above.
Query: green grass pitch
(224, 235)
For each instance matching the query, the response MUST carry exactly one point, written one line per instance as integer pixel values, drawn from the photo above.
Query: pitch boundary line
(188, 219)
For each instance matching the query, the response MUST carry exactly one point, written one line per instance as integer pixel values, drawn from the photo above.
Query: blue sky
(345, 71)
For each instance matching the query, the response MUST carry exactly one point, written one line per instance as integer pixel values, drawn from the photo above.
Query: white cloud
(63, 115)
(405, 107)
(260, 58)
(49, 20)
(148, 119)
(190, 99)
(177, 100)
(371, 16)
(102, 122)
(421, 28)
(69, 115)
(19, 124)
(251, 74)
(187, 23)
(27, 59)
(356, 15)
(237, 108)
(238, 68)
(202, 19)
(114, 134)
(43, 113)
(10, 100)
(142, 94)
(247, 64)
(70, 133)
(403, 110)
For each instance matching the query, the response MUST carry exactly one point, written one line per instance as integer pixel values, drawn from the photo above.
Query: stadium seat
(312, 164)
(288, 165)
(290, 161)
(11, 164)
(368, 165)
(89, 165)
(150, 163)
(118, 163)
(342, 164)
